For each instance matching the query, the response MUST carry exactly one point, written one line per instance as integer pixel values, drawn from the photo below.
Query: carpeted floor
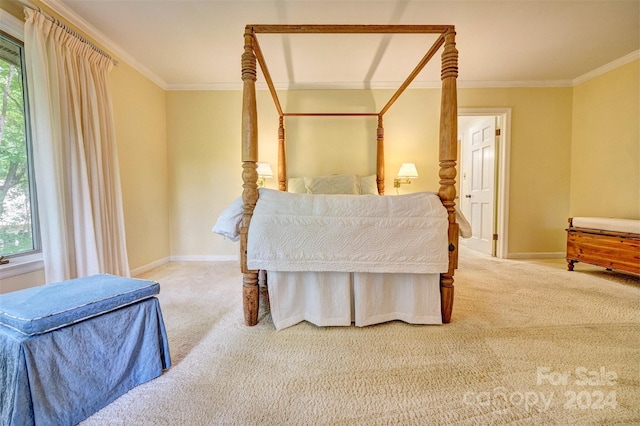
(529, 343)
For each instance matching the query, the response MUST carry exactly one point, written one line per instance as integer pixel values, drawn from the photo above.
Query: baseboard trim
(547, 255)
(146, 268)
(215, 258)
(199, 258)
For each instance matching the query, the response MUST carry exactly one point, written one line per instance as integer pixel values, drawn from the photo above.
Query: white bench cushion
(608, 224)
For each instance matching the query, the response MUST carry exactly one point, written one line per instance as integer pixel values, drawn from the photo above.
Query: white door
(478, 186)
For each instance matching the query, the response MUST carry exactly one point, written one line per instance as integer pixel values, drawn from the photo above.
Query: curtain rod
(71, 31)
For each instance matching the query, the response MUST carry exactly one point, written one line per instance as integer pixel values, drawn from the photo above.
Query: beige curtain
(75, 158)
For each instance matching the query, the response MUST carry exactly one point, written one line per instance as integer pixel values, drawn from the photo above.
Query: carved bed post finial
(249, 174)
(282, 157)
(380, 157)
(448, 158)
(449, 124)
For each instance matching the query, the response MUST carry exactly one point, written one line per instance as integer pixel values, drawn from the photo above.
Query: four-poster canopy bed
(447, 142)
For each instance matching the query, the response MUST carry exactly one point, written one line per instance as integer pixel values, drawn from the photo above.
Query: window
(18, 219)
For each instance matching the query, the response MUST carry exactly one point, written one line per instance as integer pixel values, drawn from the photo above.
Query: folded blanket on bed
(348, 233)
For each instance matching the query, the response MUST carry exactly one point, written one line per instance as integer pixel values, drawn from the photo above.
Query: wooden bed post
(282, 157)
(250, 288)
(380, 157)
(448, 157)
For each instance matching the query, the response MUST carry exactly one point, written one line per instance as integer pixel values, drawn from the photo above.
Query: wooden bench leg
(570, 264)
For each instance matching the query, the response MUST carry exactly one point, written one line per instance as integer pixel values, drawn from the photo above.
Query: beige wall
(333, 145)
(14, 7)
(539, 164)
(18, 282)
(205, 152)
(605, 154)
(140, 116)
(204, 140)
(205, 168)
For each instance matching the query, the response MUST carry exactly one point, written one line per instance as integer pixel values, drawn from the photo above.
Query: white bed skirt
(343, 298)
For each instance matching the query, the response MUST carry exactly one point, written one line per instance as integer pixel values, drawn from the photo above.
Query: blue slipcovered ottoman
(68, 349)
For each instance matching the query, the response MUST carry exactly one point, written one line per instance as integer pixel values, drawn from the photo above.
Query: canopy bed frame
(447, 139)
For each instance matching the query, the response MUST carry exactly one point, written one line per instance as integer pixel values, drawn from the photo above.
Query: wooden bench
(605, 242)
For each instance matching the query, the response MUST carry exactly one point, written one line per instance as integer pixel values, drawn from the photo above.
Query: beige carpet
(530, 343)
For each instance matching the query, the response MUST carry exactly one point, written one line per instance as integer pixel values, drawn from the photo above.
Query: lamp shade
(408, 170)
(264, 170)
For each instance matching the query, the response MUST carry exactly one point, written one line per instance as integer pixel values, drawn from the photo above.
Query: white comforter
(348, 233)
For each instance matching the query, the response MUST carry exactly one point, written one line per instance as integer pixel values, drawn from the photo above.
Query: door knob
(467, 196)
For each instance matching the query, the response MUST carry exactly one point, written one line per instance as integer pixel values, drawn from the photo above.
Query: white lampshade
(264, 170)
(408, 170)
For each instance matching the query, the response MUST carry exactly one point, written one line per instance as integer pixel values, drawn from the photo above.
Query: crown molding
(513, 84)
(260, 85)
(206, 87)
(65, 12)
(633, 56)
(388, 85)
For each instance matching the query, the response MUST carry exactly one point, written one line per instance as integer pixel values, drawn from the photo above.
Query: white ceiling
(186, 44)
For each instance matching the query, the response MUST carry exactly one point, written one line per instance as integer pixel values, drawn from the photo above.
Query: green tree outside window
(17, 216)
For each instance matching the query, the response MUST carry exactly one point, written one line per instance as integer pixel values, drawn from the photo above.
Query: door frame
(502, 177)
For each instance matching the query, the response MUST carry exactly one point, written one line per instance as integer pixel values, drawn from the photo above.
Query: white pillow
(296, 185)
(368, 185)
(228, 223)
(463, 224)
(334, 184)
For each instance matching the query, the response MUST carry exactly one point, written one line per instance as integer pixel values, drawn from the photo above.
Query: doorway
(484, 140)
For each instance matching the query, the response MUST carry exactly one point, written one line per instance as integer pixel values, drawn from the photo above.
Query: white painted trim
(205, 258)
(260, 85)
(504, 173)
(504, 182)
(65, 12)
(19, 265)
(633, 56)
(542, 255)
(512, 84)
(160, 262)
(391, 85)
(11, 25)
(207, 87)
(149, 266)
